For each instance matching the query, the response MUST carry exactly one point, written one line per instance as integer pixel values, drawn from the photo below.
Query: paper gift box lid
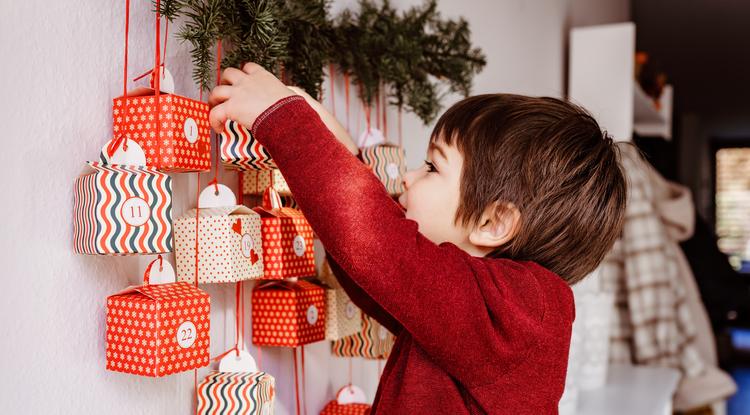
(122, 210)
(230, 246)
(236, 393)
(287, 240)
(288, 313)
(183, 143)
(157, 330)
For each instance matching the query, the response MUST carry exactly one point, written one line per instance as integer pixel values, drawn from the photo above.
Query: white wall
(62, 66)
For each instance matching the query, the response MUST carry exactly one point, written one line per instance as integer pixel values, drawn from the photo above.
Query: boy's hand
(243, 95)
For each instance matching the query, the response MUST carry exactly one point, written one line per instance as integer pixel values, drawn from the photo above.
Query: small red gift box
(157, 330)
(350, 400)
(287, 240)
(287, 313)
(172, 130)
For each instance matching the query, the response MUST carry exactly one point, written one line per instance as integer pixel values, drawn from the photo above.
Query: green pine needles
(414, 57)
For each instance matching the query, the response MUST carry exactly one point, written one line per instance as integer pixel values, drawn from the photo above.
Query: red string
(385, 117)
(400, 132)
(346, 94)
(296, 380)
(166, 36)
(125, 68)
(304, 394)
(332, 76)
(239, 317)
(377, 110)
(350, 370)
(157, 77)
(260, 358)
(218, 81)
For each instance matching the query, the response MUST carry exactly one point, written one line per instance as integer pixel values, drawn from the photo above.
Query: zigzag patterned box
(122, 210)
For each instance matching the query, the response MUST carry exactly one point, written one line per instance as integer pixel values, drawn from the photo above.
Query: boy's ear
(498, 225)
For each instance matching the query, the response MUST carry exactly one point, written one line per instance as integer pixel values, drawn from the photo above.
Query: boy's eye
(430, 166)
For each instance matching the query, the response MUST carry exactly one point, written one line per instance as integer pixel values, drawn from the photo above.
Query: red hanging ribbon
(125, 66)
(332, 76)
(296, 380)
(147, 273)
(304, 394)
(346, 94)
(113, 145)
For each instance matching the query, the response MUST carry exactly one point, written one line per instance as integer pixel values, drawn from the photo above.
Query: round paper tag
(312, 315)
(351, 394)
(242, 363)
(247, 245)
(299, 245)
(128, 153)
(392, 171)
(210, 199)
(186, 334)
(350, 310)
(135, 211)
(382, 333)
(190, 128)
(371, 137)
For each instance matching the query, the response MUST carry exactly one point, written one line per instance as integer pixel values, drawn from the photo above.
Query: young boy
(519, 198)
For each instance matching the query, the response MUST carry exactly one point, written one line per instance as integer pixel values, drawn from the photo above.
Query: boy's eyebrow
(437, 147)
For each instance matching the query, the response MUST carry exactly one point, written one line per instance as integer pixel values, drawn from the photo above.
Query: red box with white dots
(287, 240)
(174, 134)
(287, 313)
(157, 330)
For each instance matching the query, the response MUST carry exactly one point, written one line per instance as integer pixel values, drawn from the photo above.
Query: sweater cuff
(270, 110)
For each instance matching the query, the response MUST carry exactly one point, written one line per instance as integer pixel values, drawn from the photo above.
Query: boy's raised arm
(432, 291)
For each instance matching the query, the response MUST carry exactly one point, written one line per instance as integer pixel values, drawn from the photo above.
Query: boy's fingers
(230, 76)
(219, 94)
(251, 67)
(217, 117)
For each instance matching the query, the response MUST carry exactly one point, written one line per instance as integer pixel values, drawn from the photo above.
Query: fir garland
(414, 57)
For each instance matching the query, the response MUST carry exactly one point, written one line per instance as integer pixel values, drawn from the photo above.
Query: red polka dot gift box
(157, 329)
(172, 130)
(287, 240)
(229, 245)
(123, 208)
(288, 313)
(350, 400)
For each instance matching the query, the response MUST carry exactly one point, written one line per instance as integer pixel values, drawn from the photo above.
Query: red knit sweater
(474, 335)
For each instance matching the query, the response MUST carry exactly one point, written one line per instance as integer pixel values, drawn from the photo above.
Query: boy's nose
(408, 179)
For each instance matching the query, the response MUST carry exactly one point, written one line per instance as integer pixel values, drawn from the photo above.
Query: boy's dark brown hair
(551, 160)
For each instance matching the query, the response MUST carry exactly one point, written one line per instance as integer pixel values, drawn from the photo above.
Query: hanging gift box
(350, 400)
(157, 329)
(237, 388)
(123, 208)
(239, 150)
(255, 182)
(373, 342)
(388, 162)
(288, 313)
(173, 130)
(343, 318)
(229, 243)
(287, 240)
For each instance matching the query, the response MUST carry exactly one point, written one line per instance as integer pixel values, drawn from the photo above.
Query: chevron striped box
(247, 393)
(240, 151)
(388, 162)
(122, 210)
(373, 342)
(174, 133)
(286, 313)
(157, 330)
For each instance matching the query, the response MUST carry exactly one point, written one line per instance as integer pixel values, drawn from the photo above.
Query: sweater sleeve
(432, 291)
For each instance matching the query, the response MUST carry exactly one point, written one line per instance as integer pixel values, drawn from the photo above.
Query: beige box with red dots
(288, 313)
(229, 245)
